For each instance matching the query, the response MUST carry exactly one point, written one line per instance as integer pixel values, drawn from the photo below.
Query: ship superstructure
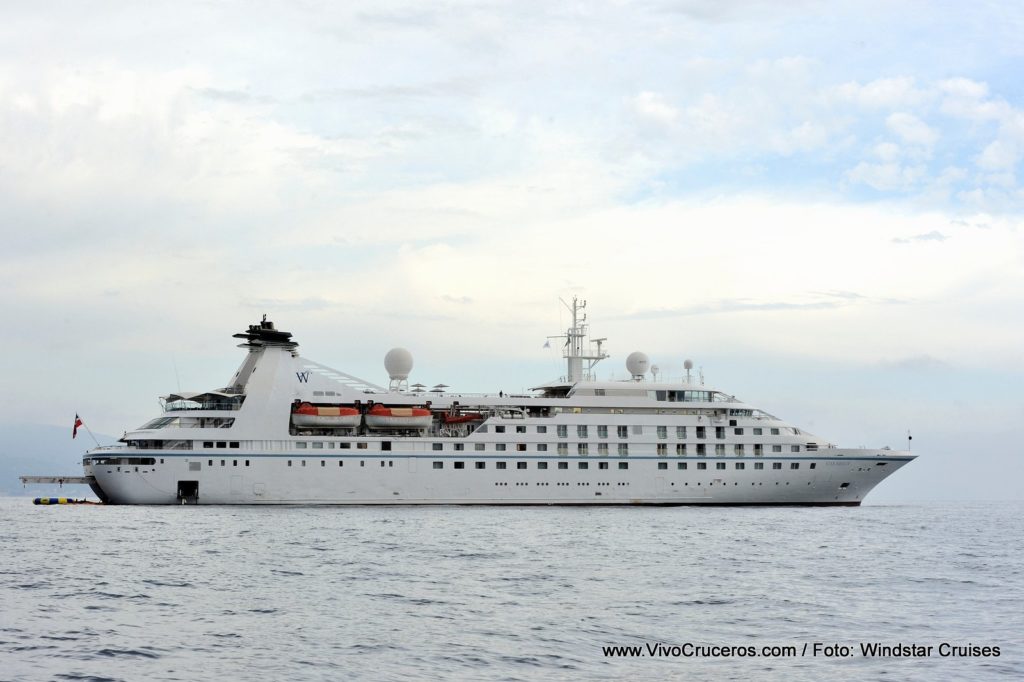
(286, 430)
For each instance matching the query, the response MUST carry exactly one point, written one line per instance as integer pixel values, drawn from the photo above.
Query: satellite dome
(688, 364)
(398, 363)
(637, 363)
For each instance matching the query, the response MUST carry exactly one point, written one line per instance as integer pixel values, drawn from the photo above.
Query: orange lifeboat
(312, 416)
(381, 417)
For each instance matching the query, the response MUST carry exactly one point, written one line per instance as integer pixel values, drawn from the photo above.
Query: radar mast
(577, 348)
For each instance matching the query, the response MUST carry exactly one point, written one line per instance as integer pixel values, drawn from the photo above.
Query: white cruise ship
(287, 430)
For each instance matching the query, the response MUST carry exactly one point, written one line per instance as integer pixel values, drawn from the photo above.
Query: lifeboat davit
(309, 415)
(380, 417)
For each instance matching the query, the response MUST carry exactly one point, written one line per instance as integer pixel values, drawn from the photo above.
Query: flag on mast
(78, 422)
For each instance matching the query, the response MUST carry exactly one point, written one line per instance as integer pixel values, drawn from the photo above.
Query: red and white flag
(78, 422)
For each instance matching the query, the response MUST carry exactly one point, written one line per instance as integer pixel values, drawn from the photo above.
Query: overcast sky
(819, 202)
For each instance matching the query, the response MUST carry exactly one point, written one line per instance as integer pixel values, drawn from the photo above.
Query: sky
(817, 202)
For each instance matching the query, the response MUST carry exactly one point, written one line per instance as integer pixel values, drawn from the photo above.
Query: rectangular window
(341, 462)
(436, 447)
(482, 428)
(814, 465)
(662, 465)
(520, 429)
(794, 448)
(623, 448)
(581, 431)
(602, 448)
(460, 465)
(480, 465)
(207, 443)
(701, 450)
(738, 432)
(738, 449)
(681, 449)
(681, 465)
(499, 429)
(702, 465)
(542, 429)
(345, 446)
(247, 464)
(500, 447)
(662, 449)
(300, 446)
(479, 447)
(720, 449)
(741, 465)
(439, 465)
(719, 465)
(776, 465)
(289, 462)
(303, 462)
(582, 465)
(719, 432)
(701, 432)
(520, 465)
(209, 463)
(622, 431)
(318, 446)
(680, 432)
(520, 447)
(563, 448)
(360, 446)
(623, 465)
(460, 446)
(775, 432)
(602, 431)
(222, 444)
(581, 449)
(500, 465)
(563, 431)
(563, 465)
(794, 465)
(759, 465)
(323, 463)
(233, 444)
(542, 447)
(542, 465)
(776, 448)
(757, 431)
(598, 391)
(662, 432)
(602, 465)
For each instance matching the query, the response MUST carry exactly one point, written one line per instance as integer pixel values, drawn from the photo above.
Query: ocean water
(300, 593)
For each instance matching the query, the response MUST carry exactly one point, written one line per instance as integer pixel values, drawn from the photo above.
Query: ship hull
(269, 479)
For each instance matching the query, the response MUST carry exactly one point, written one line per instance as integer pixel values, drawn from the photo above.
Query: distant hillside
(39, 450)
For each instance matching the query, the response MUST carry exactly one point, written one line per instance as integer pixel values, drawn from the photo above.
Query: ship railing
(219, 405)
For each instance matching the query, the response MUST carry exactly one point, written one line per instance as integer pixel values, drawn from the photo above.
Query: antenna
(688, 365)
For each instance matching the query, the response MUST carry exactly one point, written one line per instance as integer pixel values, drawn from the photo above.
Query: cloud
(653, 107)
(933, 236)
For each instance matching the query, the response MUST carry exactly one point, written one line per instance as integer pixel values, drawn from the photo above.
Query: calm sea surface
(300, 593)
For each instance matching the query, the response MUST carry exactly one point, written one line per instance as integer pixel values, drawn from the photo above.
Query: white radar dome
(688, 364)
(637, 363)
(398, 363)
